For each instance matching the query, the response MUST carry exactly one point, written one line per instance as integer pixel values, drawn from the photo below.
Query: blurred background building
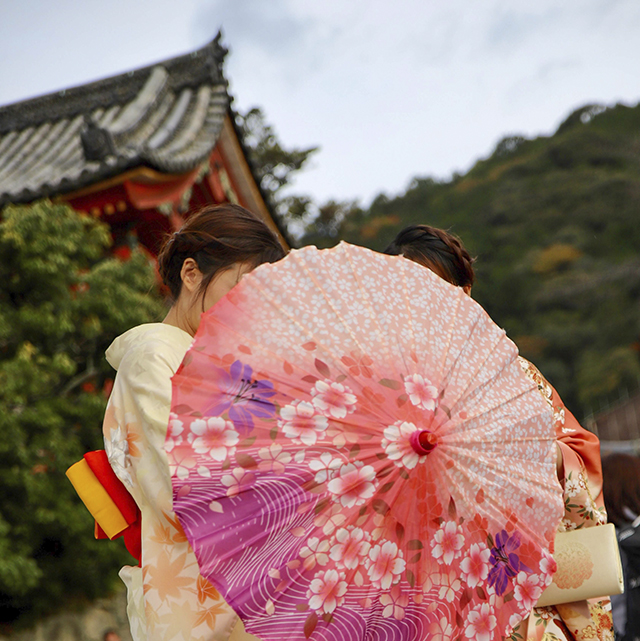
(618, 426)
(138, 150)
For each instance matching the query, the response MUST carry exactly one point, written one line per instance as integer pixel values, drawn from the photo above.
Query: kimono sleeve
(584, 503)
(173, 602)
(136, 422)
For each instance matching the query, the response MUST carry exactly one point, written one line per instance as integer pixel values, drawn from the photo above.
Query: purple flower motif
(506, 563)
(244, 397)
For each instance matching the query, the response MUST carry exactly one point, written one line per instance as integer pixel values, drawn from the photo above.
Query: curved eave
(266, 199)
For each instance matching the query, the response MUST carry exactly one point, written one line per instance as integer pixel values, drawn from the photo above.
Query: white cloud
(388, 91)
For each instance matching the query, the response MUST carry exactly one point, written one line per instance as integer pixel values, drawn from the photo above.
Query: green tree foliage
(554, 224)
(274, 165)
(61, 304)
(332, 220)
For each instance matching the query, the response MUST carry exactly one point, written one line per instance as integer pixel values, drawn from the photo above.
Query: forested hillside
(555, 225)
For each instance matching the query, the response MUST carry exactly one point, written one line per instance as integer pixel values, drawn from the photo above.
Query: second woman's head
(208, 256)
(438, 250)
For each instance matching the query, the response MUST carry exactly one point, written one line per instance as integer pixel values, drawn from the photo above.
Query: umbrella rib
(494, 407)
(260, 346)
(462, 395)
(517, 439)
(457, 359)
(273, 301)
(374, 315)
(408, 308)
(446, 352)
(498, 468)
(451, 328)
(331, 305)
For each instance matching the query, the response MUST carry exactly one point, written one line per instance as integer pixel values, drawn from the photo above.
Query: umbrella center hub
(423, 441)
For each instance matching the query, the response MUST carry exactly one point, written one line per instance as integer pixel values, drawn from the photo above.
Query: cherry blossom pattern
(450, 585)
(350, 546)
(326, 591)
(527, 589)
(492, 598)
(325, 467)
(330, 520)
(204, 471)
(237, 481)
(379, 522)
(548, 567)
(445, 584)
(181, 462)
(300, 422)
(117, 448)
(273, 458)
(442, 629)
(315, 552)
(385, 564)
(421, 392)
(333, 400)
(397, 446)
(447, 542)
(475, 566)
(174, 433)
(359, 364)
(214, 437)
(514, 620)
(571, 487)
(480, 623)
(353, 484)
(394, 602)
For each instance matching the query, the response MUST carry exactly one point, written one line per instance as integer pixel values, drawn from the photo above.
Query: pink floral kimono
(584, 507)
(167, 598)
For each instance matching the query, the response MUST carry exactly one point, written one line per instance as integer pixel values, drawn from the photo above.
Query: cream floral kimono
(167, 598)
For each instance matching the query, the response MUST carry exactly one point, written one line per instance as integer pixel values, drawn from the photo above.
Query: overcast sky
(387, 90)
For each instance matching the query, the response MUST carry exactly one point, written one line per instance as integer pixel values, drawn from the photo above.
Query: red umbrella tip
(423, 441)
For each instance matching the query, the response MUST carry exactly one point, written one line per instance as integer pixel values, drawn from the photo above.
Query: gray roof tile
(167, 116)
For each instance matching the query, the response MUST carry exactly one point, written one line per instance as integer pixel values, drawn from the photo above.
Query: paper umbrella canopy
(357, 454)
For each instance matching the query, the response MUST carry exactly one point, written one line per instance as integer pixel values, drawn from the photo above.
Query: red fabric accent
(100, 466)
(585, 444)
(133, 540)
(147, 192)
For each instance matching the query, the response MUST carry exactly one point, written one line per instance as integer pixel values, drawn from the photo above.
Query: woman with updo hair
(199, 264)
(440, 251)
(577, 450)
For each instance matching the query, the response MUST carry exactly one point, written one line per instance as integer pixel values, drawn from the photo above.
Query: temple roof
(167, 116)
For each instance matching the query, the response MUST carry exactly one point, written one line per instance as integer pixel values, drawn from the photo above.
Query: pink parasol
(356, 454)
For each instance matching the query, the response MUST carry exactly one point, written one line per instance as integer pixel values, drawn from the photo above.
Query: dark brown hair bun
(216, 237)
(437, 249)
